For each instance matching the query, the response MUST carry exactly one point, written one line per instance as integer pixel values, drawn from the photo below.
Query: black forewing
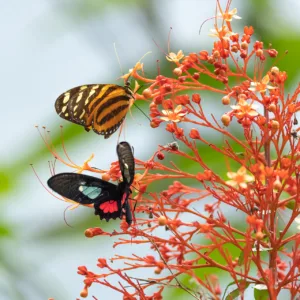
(127, 167)
(83, 189)
(126, 161)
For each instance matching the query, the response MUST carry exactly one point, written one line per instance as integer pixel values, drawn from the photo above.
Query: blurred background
(49, 46)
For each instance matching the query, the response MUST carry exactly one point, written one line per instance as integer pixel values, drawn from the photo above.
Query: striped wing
(102, 107)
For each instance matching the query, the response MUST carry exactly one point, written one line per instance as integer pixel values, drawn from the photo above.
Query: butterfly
(110, 200)
(102, 107)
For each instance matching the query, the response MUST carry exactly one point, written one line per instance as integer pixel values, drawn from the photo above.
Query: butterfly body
(102, 107)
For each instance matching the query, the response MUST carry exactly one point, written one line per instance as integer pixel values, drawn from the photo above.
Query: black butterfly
(110, 200)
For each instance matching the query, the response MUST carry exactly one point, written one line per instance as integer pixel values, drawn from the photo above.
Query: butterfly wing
(126, 161)
(100, 106)
(86, 189)
(127, 166)
(65, 104)
(126, 207)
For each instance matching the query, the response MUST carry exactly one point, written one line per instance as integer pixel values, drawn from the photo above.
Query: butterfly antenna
(118, 58)
(159, 48)
(141, 111)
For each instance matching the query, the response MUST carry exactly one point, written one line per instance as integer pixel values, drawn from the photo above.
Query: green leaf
(261, 292)
(241, 259)
(235, 293)
(291, 204)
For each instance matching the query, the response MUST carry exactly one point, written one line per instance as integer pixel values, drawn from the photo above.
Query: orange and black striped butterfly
(102, 107)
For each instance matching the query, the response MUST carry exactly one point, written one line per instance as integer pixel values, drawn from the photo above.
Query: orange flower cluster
(188, 226)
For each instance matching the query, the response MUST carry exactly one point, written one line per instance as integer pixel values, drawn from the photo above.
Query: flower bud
(244, 45)
(168, 104)
(155, 123)
(259, 236)
(182, 99)
(291, 108)
(272, 108)
(152, 105)
(261, 120)
(147, 93)
(274, 70)
(234, 49)
(160, 155)
(170, 127)
(89, 233)
(84, 293)
(225, 120)
(243, 54)
(259, 53)
(167, 87)
(194, 134)
(102, 263)
(162, 221)
(82, 270)
(177, 71)
(196, 98)
(196, 76)
(272, 52)
(216, 54)
(158, 100)
(226, 100)
(182, 78)
(274, 125)
(203, 55)
(210, 60)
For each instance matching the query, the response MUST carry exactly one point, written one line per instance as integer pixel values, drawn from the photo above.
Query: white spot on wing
(81, 116)
(92, 92)
(66, 98)
(79, 97)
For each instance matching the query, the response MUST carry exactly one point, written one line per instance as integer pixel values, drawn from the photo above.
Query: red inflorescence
(229, 185)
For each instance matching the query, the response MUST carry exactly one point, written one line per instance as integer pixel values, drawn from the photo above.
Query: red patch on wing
(110, 206)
